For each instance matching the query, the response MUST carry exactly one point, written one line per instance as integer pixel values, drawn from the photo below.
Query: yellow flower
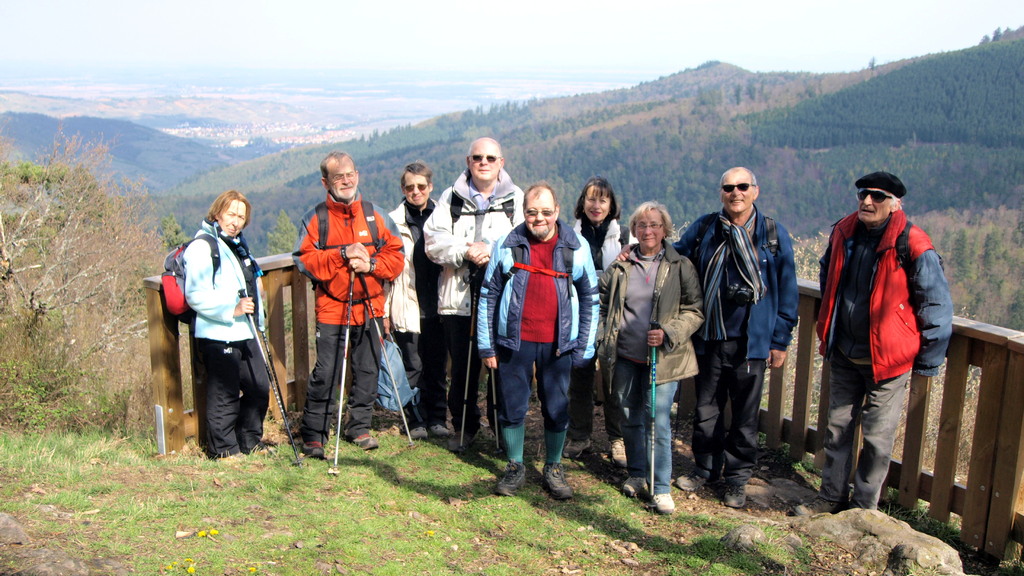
(430, 532)
(191, 570)
(214, 532)
(202, 534)
(252, 568)
(186, 560)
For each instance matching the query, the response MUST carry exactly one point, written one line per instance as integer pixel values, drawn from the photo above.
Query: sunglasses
(730, 187)
(877, 196)
(491, 159)
(411, 187)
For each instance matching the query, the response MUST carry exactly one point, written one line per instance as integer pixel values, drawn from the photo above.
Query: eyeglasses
(730, 187)
(533, 213)
(491, 159)
(877, 196)
(646, 226)
(411, 187)
(342, 176)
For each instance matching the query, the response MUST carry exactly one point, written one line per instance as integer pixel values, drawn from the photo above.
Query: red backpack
(173, 278)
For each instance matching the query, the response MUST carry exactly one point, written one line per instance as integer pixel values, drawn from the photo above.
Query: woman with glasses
(597, 222)
(650, 306)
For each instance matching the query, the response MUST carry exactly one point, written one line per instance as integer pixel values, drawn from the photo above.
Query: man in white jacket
(482, 206)
(413, 315)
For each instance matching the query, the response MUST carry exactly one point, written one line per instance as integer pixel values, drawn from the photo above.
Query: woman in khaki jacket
(652, 299)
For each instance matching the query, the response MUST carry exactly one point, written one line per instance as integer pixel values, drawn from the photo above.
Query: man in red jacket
(347, 251)
(885, 311)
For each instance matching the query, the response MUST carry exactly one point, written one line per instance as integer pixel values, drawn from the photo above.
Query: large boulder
(883, 544)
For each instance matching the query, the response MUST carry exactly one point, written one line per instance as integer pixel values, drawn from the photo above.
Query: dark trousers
(461, 342)
(516, 370)
(319, 414)
(425, 355)
(237, 395)
(582, 383)
(727, 376)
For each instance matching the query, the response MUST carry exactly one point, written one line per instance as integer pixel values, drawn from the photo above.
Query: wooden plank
(772, 419)
(198, 392)
(1006, 480)
(914, 439)
(951, 416)
(300, 338)
(165, 373)
(275, 327)
(979, 478)
(803, 387)
(818, 448)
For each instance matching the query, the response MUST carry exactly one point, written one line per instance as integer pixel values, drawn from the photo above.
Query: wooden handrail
(984, 373)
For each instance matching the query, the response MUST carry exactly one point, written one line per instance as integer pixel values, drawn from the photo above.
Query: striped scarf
(737, 245)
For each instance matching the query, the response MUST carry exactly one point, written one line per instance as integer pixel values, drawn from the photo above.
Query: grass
(397, 510)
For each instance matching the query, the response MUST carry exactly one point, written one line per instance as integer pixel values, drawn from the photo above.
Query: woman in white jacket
(597, 221)
(220, 289)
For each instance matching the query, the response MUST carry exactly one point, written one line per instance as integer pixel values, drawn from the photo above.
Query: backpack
(391, 357)
(173, 278)
(508, 206)
(322, 222)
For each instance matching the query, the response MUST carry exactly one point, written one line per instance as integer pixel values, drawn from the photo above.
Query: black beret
(882, 181)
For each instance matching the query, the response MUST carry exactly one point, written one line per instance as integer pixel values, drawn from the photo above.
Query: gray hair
(651, 205)
(753, 179)
(336, 157)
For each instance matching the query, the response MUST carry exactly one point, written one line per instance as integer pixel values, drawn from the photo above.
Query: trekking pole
(267, 360)
(469, 363)
(654, 395)
(333, 470)
(384, 356)
(497, 427)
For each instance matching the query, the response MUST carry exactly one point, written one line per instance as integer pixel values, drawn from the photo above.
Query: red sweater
(539, 313)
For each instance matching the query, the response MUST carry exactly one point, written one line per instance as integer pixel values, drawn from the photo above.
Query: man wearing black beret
(885, 311)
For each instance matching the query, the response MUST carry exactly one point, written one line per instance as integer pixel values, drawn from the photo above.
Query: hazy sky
(660, 36)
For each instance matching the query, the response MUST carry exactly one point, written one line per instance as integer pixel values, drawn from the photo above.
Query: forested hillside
(950, 125)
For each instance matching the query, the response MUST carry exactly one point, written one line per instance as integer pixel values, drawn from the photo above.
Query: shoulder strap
(772, 234)
(322, 223)
(214, 252)
(519, 258)
(903, 256)
(371, 222)
(623, 235)
(705, 223)
(455, 206)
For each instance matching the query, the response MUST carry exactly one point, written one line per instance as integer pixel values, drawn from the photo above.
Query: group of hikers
(488, 276)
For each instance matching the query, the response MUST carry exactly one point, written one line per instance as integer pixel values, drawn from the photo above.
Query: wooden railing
(990, 505)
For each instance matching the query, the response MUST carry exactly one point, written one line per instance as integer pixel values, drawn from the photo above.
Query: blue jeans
(631, 384)
(853, 395)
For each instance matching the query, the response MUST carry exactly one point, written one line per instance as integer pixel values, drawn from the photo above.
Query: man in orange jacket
(338, 250)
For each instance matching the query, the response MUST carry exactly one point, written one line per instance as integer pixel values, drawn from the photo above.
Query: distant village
(283, 134)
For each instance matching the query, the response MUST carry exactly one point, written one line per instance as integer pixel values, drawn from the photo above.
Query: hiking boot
(366, 442)
(818, 506)
(261, 449)
(554, 482)
(313, 450)
(513, 480)
(618, 453)
(691, 482)
(735, 496)
(418, 433)
(440, 430)
(458, 447)
(230, 459)
(575, 448)
(663, 504)
(634, 487)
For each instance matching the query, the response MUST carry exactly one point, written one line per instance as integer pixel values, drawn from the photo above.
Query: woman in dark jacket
(650, 300)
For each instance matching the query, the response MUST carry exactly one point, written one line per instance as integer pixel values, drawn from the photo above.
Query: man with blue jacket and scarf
(537, 315)
(745, 261)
